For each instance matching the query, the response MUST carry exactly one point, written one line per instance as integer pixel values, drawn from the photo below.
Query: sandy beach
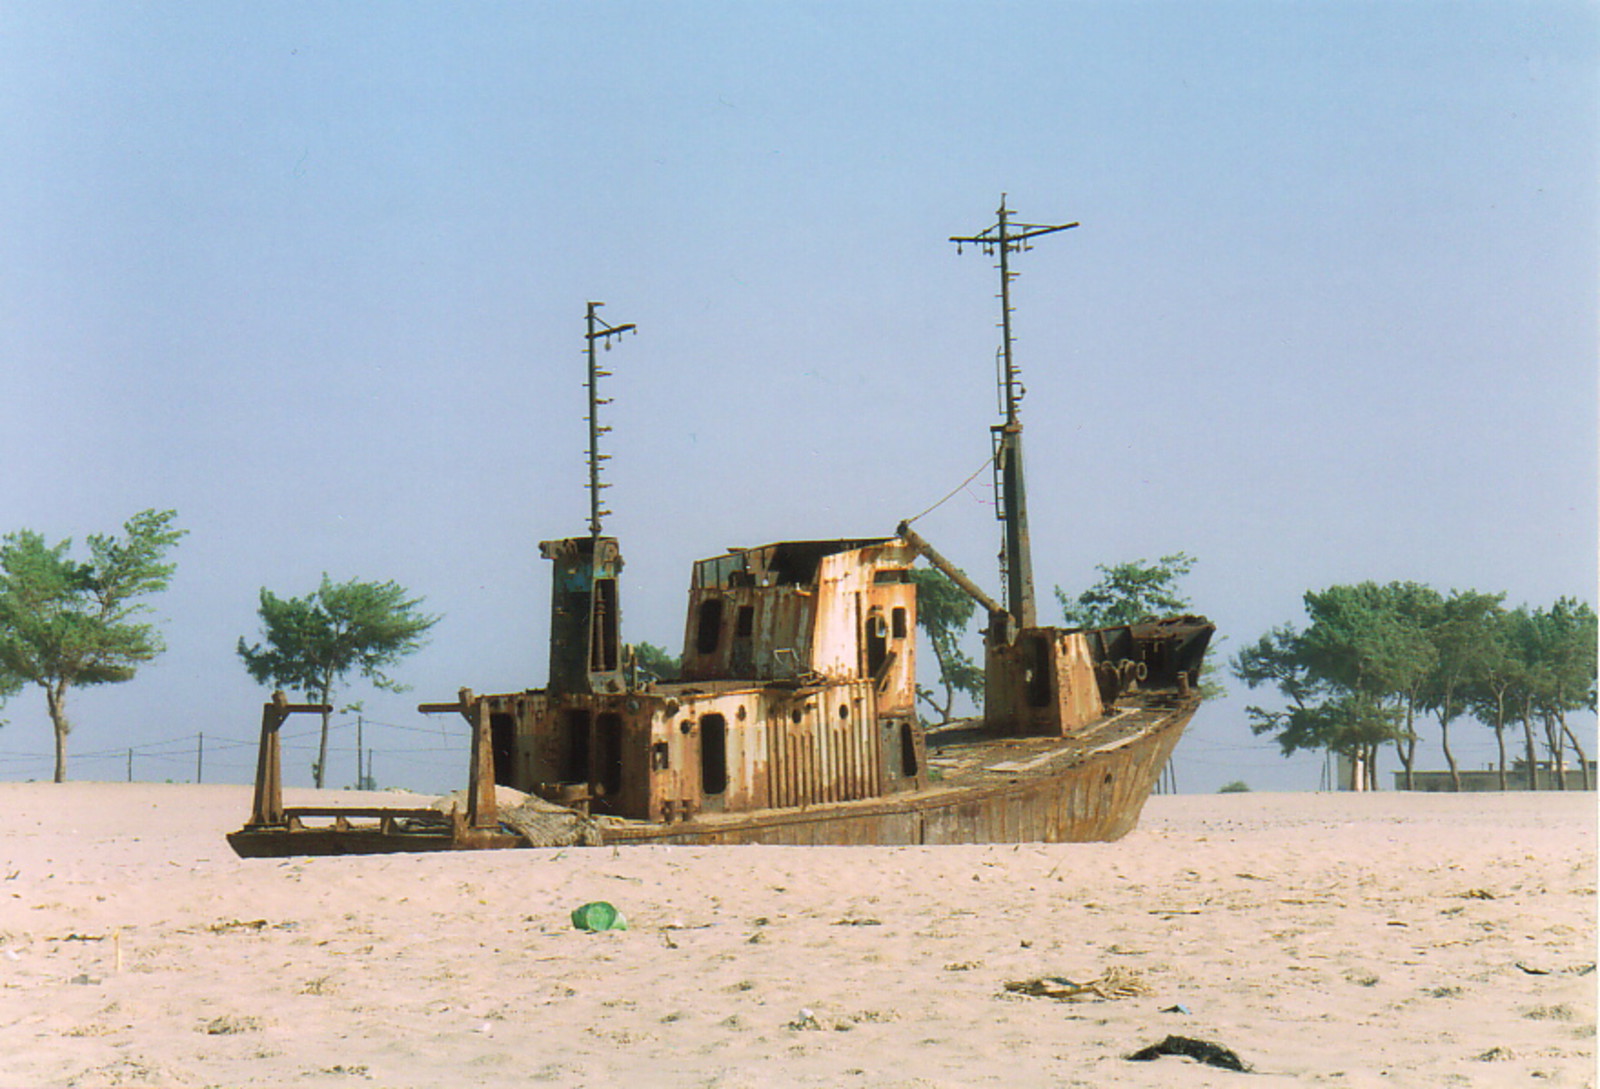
(1346, 940)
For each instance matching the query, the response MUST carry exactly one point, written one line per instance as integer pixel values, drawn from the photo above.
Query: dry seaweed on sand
(1115, 983)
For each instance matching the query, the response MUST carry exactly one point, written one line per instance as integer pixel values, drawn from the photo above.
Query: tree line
(1372, 667)
(1377, 663)
(69, 623)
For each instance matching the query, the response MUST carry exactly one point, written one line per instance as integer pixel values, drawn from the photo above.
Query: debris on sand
(1115, 983)
(231, 1026)
(541, 823)
(1200, 1050)
(598, 915)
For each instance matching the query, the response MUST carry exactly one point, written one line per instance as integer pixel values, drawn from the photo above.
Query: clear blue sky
(314, 274)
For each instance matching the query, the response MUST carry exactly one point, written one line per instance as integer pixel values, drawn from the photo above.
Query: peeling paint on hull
(998, 790)
(1095, 799)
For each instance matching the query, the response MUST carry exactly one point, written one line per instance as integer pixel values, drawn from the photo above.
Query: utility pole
(361, 782)
(1005, 238)
(599, 332)
(200, 761)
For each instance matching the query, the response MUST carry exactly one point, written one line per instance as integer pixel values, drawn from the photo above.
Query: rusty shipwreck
(794, 721)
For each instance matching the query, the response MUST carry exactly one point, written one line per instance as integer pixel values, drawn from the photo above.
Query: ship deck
(963, 754)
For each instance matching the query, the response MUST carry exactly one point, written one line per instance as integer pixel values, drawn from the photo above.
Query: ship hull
(1089, 798)
(1089, 789)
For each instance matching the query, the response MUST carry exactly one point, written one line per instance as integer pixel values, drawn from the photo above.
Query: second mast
(1005, 238)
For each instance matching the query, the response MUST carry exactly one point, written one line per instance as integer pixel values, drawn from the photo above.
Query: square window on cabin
(708, 630)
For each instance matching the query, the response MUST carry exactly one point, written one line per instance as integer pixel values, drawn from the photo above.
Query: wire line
(987, 462)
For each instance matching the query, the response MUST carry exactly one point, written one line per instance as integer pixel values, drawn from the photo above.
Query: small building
(1488, 779)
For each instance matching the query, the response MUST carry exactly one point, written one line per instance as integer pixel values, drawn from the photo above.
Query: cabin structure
(798, 687)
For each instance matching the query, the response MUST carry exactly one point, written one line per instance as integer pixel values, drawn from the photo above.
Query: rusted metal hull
(1009, 791)
(358, 840)
(1094, 797)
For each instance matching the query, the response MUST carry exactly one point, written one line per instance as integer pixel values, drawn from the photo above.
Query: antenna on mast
(1005, 238)
(599, 332)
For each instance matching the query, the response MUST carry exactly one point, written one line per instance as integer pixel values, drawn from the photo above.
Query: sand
(1345, 940)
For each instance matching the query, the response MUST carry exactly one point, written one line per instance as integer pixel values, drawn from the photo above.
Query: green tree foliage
(65, 623)
(1465, 637)
(313, 642)
(1238, 786)
(944, 611)
(657, 662)
(1556, 652)
(1353, 678)
(10, 685)
(1491, 687)
(1129, 592)
(1372, 641)
(1375, 656)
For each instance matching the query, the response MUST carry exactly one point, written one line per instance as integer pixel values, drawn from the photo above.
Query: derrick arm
(999, 619)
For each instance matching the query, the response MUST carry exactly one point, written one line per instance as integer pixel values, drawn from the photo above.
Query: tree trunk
(55, 697)
(1558, 750)
(1527, 739)
(949, 689)
(1449, 757)
(1500, 736)
(1583, 757)
(1408, 748)
(322, 751)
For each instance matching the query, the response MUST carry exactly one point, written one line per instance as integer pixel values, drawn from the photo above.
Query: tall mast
(1006, 238)
(598, 332)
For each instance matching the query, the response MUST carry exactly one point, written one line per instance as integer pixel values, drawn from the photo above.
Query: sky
(314, 276)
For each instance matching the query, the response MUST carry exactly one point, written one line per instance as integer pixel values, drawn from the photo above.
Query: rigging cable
(987, 462)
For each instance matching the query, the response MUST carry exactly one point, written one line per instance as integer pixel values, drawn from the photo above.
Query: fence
(362, 754)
